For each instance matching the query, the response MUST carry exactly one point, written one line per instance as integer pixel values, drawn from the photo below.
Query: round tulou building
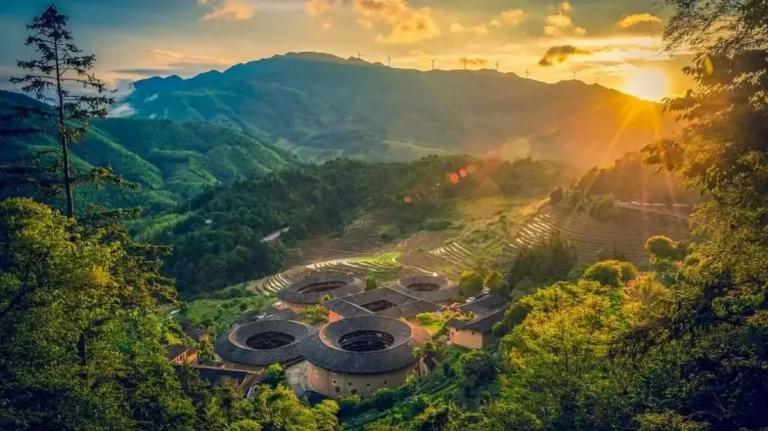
(257, 345)
(359, 355)
(438, 290)
(310, 291)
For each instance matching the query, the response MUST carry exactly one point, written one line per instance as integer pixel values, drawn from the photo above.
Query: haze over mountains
(321, 106)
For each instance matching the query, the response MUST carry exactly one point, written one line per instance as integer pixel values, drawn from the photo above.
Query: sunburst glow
(649, 84)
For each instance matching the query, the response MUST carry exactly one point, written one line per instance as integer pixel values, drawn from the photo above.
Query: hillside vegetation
(171, 161)
(321, 107)
(219, 244)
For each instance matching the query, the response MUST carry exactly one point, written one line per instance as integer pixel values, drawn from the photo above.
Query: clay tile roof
(323, 350)
(346, 308)
(446, 289)
(234, 348)
(296, 293)
(485, 305)
(483, 324)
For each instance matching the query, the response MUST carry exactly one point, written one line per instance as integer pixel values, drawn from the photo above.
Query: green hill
(321, 106)
(171, 161)
(217, 238)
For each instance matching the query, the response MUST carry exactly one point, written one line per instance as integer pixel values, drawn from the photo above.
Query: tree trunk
(63, 138)
(81, 353)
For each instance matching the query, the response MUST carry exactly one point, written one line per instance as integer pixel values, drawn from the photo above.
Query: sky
(614, 43)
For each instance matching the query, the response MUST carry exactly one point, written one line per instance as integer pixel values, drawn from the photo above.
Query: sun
(649, 84)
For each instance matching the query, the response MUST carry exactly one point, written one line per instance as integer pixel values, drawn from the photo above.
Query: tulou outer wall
(322, 381)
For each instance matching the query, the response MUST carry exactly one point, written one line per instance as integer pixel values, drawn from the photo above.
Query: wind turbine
(497, 66)
(464, 60)
(433, 63)
(527, 72)
(389, 60)
(359, 56)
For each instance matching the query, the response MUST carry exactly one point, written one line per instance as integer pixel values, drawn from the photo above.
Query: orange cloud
(233, 9)
(512, 17)
(458, 28)
(560, 54)
(637, 18)
(317, 7)
(406, 24)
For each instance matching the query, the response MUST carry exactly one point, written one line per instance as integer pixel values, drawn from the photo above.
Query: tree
(470, 283)
(79, 327)
(611, 273)
(476, 370)
(60, 67)
(661, 247)
(546, 262)
(496, 284)
(371, 283)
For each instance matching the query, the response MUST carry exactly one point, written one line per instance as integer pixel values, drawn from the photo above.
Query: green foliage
(315, 315)
(612, 254)
(548, 261)
(556, 196)
(630, 180)
(611, 273)
(661, 247)
(426, 319)
(496, 284)
(477, 369)
(470, 283)
(371, 283)
(171, 162)
(274, 375)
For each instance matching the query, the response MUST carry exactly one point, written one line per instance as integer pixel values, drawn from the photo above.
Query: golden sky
(614, 43)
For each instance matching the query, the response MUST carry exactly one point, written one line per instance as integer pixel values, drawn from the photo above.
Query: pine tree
(53, 79)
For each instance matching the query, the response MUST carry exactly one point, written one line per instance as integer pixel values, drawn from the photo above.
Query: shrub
(371, 283)
(611, 273)
(495, 282)
(425, 318)
(470, 283)
(661, 247)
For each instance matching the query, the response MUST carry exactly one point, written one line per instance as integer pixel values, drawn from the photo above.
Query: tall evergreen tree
(52, 78)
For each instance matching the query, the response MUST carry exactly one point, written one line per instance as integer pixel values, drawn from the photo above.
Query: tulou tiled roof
(296, 292)
(233, 346)
(323, 348)
(404, 305)
(446, 289)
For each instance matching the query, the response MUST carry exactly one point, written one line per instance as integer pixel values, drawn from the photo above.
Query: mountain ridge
(321, 106)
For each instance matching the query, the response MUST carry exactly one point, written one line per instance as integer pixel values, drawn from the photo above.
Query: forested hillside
(217, 238)
(321, 106)
(630, 179)
(171, 161)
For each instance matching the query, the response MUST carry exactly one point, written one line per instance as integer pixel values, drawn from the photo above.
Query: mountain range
(320, 106)
(171, 161)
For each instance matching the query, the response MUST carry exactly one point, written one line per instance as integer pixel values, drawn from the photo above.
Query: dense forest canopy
(170, 161)
(322, 199)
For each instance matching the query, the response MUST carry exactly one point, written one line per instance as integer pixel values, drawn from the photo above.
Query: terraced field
(360, 238)
(450, 260)
(628, 232)
(383, 265)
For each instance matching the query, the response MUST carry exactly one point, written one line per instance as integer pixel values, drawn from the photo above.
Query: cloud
(152, 98)
(232, 9)
(457, 28)
(579, 31)
(317, 7)
(406, 24)
(173, 63)
(121, 110)
(474, 62)
(565, 7)
(556, 24)
(560, 54)
(495, 23)
(512, 17)
(629, 20)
